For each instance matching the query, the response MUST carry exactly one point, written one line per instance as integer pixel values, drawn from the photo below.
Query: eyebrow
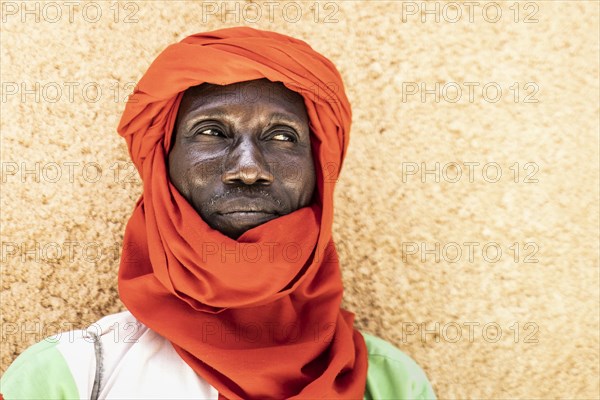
(221, 113)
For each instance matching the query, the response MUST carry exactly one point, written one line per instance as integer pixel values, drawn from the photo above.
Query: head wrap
(258, 317)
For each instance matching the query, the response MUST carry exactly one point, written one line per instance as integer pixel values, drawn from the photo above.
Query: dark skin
(241, 154)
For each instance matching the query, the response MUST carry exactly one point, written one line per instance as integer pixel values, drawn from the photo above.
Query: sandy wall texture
(420, 251)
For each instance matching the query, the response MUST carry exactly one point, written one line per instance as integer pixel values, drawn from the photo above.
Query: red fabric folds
(258, 317)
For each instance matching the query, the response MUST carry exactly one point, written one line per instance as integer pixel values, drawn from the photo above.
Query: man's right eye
(209, 132)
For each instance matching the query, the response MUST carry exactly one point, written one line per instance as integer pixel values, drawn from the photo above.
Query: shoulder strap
(98, 375)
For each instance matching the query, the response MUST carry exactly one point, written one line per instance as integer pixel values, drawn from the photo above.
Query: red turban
(257, 317)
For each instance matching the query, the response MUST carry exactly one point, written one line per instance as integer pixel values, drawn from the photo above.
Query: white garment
(165, 374)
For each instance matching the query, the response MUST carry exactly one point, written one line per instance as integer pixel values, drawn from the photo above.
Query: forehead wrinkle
(290, 119)
(198, 114)
(270, 93)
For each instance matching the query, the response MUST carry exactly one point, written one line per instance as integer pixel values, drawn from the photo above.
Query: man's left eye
(210, 132)
(283, 137)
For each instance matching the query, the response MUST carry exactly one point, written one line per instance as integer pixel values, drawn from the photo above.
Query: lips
(246, 219)
(246, 207)
(240, 209)
(247, 213)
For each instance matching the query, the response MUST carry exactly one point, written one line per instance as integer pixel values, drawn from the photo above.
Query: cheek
(189, 172)
(307, 178)
(176, 171)
(299, 179)
(309, 181)
(202, 172)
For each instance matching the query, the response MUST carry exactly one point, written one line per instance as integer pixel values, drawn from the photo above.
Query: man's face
(241, 154)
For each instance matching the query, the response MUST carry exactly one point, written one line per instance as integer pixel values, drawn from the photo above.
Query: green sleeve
(40, 372)
(393, 374)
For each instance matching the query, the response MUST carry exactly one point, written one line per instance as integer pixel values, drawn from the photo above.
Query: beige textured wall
(61, 235)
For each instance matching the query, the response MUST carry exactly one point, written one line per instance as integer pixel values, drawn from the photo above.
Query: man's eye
(209, 132)
(283, 137)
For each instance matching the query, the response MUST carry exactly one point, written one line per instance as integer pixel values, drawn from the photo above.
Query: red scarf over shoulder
(258, 317)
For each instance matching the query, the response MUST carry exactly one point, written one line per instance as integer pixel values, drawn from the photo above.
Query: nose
(246, 165)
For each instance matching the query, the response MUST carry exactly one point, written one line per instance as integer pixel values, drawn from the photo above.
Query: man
(228, 271)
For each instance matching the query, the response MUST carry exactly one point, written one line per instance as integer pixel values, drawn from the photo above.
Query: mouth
(244, 217)
(244, 206)
(247, 211)
(239, 209)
